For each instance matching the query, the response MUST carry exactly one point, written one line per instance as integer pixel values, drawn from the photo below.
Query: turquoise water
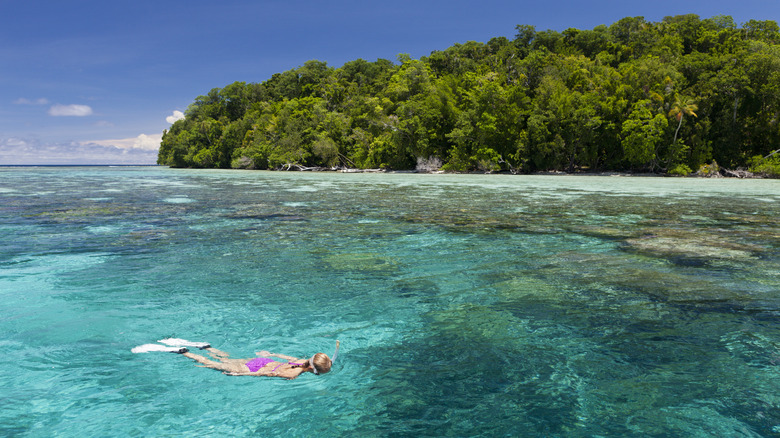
(467, 305)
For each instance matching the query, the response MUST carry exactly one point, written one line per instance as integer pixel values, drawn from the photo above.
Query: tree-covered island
(678, 96)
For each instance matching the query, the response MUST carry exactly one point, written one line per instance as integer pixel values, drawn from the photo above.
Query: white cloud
(13, 142)
(70, 110)
(24, 101)
(15, 151)
(142, 142)
(175, 117)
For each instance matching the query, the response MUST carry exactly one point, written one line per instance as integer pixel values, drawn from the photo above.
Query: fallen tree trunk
(739, 173)
(299, 168)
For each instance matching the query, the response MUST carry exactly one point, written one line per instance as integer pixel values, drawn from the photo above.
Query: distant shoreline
(729, 174)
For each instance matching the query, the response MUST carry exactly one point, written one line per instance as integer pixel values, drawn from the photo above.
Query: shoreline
(720, 173)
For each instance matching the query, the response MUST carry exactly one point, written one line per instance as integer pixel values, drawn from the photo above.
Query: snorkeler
(263, 365)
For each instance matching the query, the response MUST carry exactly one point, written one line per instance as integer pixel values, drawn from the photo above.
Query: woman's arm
(284, 374)
(248, 373)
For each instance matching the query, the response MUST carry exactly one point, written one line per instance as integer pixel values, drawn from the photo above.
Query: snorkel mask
(332, 360)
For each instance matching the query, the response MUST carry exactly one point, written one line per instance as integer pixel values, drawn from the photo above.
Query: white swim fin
(146, 348)
(176, 342)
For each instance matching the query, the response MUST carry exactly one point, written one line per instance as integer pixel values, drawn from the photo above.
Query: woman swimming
(320, 363)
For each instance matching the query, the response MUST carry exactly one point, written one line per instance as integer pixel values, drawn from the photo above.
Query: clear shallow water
(466, 305)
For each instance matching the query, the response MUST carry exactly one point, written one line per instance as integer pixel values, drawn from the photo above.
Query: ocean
(466, 305)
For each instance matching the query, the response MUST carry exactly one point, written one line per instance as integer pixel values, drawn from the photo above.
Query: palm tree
(682, 106)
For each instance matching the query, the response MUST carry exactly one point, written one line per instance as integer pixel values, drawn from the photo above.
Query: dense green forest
(674, 96)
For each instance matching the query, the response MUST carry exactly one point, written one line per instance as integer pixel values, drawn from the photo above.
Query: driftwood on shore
(739, 173)
(299, 168)
(349, 170)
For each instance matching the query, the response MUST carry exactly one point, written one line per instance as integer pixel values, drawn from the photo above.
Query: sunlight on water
(467, 305)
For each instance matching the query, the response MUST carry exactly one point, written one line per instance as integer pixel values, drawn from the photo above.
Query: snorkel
(335, 355)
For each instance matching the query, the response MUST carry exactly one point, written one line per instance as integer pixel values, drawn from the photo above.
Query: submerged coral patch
(692, 246)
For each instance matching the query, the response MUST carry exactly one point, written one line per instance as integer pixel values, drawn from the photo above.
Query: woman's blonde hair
(322, 363)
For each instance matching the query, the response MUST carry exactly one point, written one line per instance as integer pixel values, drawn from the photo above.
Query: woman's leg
(233, 366)
(217, 354)
(224, 357)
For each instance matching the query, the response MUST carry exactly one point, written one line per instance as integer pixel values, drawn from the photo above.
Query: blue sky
(96, 82)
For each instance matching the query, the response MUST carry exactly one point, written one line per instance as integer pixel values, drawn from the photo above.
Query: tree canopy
(636, 95)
